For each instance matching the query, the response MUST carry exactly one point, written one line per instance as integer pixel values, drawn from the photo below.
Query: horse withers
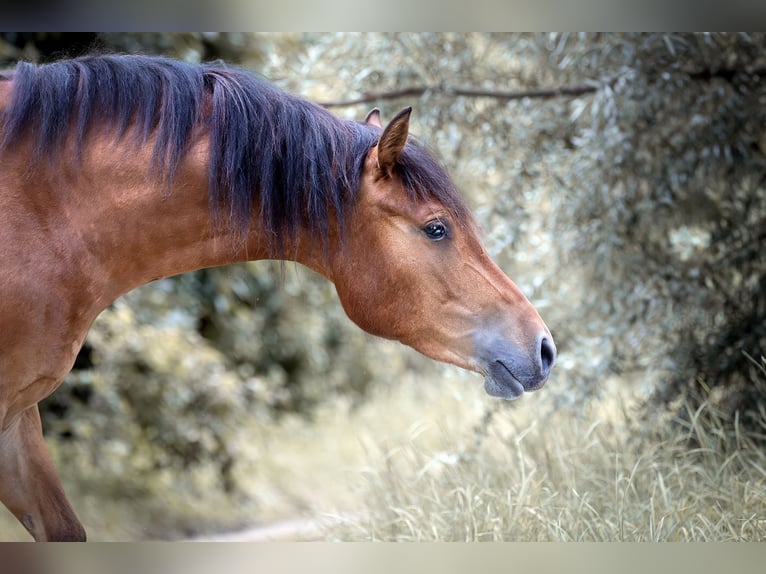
(118, 170)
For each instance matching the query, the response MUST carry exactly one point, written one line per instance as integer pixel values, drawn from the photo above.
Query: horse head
(411, 267)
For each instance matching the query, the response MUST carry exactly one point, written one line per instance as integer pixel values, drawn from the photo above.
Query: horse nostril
(547, 356)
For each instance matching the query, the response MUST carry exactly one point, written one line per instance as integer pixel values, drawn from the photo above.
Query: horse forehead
(391, 196)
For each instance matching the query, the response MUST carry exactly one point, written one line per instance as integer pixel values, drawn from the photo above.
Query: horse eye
(436, 230)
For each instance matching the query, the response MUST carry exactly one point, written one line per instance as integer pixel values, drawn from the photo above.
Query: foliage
(48, 46)
(176, 384)
(671, 232)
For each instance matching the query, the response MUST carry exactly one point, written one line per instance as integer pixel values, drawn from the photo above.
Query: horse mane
(296, 160)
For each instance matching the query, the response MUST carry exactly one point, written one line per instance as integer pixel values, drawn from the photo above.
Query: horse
(122, 169)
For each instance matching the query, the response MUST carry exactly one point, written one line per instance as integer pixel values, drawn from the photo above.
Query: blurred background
(619, 179)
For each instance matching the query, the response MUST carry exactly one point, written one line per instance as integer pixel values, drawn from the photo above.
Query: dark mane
(295, 160)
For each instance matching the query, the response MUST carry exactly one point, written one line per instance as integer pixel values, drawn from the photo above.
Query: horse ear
(373, 118)
(392, 141)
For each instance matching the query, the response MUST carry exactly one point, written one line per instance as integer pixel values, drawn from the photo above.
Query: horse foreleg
(29, 485)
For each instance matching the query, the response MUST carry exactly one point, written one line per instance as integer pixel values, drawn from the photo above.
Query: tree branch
(543, 93)
(558, 91)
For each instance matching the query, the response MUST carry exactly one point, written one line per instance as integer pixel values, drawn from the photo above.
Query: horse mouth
(500, 382)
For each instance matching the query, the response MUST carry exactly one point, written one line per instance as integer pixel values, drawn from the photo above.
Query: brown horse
(118, 170)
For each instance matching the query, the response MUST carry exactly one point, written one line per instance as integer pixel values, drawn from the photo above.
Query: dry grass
(595, 475)
(440, 461)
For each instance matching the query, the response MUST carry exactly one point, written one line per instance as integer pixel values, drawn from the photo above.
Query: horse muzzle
(510, 370)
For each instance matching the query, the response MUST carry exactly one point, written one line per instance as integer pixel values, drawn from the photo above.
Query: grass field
(438, 460)
(588, 476)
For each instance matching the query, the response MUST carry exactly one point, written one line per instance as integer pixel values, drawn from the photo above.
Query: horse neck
(135, 229)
